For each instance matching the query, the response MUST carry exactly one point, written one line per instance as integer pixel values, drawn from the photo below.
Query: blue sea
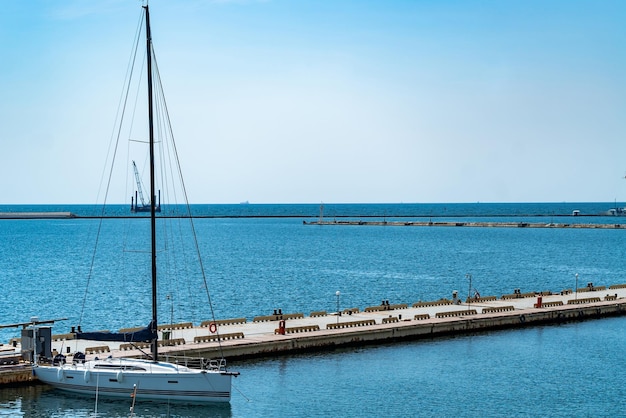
(259, 258)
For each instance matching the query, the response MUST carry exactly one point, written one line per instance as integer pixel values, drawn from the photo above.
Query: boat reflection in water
(42, 401)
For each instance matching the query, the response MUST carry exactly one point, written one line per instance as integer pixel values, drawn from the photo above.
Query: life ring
(522, 318)
(213, 327)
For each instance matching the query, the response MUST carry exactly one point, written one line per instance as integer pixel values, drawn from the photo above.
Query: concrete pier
(263, 335)
(288, 333)
(388, 323)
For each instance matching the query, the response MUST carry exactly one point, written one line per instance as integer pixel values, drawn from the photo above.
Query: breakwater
(470, 224)
(37, 215)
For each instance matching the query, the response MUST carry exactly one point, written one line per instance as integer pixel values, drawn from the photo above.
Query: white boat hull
(120, 377)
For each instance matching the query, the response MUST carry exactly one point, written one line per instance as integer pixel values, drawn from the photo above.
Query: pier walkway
(263, 335)
(286, 333)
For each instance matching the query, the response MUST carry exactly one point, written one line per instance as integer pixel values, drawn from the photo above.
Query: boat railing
(198, 362)
(217, 365)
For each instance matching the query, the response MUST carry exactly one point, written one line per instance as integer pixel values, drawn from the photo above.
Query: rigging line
(131, 126)
(167, 225)
(138, 38)
(188, 207)
(240, 392)
(197, 247)
(162, 126)
(137, 95)
(167, 176)
(160, 104)
(122, 108)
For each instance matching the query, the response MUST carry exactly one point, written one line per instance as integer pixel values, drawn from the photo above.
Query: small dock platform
(18, 375)
(13, 372)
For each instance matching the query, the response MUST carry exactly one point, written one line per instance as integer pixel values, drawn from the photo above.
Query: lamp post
(469, 290)
(169, 298)
(337, 294)
(576, 296)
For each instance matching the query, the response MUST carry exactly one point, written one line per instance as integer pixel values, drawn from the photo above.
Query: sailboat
(141, 378)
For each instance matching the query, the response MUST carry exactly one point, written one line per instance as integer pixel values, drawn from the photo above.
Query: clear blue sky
(290, 101)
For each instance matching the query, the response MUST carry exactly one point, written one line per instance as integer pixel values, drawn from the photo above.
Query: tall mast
(155, 352)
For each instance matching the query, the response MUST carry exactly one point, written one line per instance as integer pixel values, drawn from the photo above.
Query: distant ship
(616, 212)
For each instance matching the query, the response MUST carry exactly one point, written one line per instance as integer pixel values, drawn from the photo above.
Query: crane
(144, 207)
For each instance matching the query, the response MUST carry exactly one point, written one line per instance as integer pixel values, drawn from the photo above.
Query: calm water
(349, 209)
(255, 265)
